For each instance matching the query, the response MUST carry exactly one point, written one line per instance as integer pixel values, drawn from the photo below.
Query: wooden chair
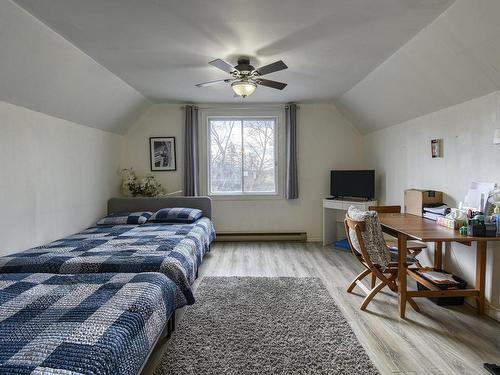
(386, 277)
(414, 247)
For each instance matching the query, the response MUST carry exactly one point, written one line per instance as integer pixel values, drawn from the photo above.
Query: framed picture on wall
(162, 153)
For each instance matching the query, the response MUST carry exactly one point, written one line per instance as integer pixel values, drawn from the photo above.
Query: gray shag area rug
(263, 325)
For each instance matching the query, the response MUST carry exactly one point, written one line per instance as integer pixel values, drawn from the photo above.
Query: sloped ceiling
(453, 60)
(42, 71)
(162, 47)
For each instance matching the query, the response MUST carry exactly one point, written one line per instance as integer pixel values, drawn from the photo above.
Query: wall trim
(261, 236)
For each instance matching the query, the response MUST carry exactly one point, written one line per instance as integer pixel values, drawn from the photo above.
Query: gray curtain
(292, 180)
(191, 162)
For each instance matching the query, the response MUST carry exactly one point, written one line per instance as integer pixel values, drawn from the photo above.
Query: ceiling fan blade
(271, 68)
(209, 83)
(222, 65)
(272, 84)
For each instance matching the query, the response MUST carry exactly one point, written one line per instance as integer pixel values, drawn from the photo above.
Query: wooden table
(405, 227)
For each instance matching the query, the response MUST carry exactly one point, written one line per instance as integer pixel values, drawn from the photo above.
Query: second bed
(176, 250)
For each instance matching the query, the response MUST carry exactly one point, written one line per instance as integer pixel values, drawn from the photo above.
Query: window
(242, 155)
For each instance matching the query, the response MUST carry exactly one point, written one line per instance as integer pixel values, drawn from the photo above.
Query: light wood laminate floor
(436, 341)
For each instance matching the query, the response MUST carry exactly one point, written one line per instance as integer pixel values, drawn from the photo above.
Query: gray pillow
(372, 236)
(125, 218)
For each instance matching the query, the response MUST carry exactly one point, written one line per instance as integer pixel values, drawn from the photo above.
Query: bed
(81, 324)
(175, 250)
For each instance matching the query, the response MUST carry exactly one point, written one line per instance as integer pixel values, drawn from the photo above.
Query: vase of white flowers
(144, 187)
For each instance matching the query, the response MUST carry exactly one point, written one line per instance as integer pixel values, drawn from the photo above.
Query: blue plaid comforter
(81, 324)
(175, 250)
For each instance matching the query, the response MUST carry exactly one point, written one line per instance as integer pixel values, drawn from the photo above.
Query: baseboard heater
(261, 236)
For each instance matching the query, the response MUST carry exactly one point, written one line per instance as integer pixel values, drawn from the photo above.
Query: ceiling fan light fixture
(245, 78)
(243, 88)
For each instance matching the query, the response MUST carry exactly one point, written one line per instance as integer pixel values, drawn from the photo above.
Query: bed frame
(154, 204)
(162, 338)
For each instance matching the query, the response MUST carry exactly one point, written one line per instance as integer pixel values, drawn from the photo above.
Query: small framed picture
(436, 148)
(162, 153)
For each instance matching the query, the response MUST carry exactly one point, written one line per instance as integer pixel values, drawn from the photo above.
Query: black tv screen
(352, 184)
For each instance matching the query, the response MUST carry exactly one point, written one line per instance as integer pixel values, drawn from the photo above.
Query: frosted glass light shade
(243, 88)
(496, 137)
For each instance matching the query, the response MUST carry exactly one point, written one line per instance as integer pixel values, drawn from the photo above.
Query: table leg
(481, 275)
(402, 249)
(438, 255)
(329, 226)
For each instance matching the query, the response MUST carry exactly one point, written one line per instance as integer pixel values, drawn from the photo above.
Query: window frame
(205, 157)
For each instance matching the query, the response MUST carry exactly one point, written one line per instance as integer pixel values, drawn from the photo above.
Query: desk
(405, 227)
(334, 213)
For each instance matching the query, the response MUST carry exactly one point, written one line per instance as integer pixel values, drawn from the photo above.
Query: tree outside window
(242, 156)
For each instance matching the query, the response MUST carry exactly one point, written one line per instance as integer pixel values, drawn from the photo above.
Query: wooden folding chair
(414, 247)
(386, 277)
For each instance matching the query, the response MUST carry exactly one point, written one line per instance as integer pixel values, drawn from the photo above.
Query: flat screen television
(352, 184)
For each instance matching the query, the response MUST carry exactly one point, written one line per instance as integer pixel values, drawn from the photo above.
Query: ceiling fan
(245, 78)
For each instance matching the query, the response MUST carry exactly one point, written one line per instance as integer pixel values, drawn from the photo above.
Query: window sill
(222, 197)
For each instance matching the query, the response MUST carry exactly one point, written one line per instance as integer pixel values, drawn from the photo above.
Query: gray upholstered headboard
(154, 204)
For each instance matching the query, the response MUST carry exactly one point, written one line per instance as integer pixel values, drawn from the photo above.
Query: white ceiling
(453, 60)
(161, 47)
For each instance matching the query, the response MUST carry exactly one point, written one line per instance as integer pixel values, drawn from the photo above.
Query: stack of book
(451, 223)
(438, 277)
(435, 212)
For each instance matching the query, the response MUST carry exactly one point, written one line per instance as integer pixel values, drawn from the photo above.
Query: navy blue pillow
(176, 215)
(125, 218)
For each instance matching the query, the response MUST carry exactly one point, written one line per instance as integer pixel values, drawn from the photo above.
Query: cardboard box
(415, 199)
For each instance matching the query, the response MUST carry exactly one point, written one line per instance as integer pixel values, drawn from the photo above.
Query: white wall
(402, 157)
(55, 177)
(41, 70)
(326, 141)
(160, 120)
